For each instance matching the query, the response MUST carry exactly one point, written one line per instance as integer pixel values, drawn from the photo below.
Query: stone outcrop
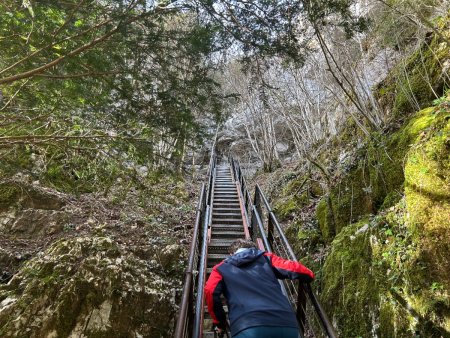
(91, 287)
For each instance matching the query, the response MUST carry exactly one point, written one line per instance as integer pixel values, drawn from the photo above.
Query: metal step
(214, 259)
(226, 215)
(226, 221)
(226, 198)
(227, 227)
(228, 234)
(226, 204)
(227, 210)
(221, 242)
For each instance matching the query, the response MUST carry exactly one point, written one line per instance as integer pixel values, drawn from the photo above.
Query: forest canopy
(101, 75)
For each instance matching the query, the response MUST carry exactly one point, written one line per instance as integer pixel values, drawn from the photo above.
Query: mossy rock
(391, 199)
(414, 83)
(376, 180)
(412, 300)
(350, 288)
(304, 240)
(325, 219)
(9, 194)
(28, 196)
(294, 196)
(88, 286)
(427, 190)
(285, 208)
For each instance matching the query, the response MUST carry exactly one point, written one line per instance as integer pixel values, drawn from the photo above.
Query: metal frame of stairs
(225, 212)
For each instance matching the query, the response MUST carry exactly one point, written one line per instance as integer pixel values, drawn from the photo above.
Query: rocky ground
(90, 265)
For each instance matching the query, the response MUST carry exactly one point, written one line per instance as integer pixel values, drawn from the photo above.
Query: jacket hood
(244, 257)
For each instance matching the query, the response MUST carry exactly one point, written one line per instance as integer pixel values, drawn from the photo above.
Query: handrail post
(270, 230)
(323, 316)
(257, 201)
(301, 307)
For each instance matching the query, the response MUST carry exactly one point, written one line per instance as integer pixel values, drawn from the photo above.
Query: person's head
(241, 244)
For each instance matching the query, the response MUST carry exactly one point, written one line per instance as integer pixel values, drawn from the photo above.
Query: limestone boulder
(88, 287)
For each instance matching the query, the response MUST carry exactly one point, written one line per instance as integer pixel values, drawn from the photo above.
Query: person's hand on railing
(219, 329)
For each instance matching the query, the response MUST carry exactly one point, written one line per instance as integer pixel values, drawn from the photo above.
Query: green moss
(375, 181)
(325, 219)
(387, 315)
(287, 207)
(391, 199)
(414, 82)
(293, 198)
(304, 239)
(395, 320)
(427, 190)
(350, 290)
(9, 193)
(410, 302)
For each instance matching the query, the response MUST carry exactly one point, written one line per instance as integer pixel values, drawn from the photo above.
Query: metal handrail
(304, 289)
(188, 292)
(274, 219)
(190, 318)
(198, 322)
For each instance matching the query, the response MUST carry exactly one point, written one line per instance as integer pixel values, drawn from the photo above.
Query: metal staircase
(225, 213)
(227, 223)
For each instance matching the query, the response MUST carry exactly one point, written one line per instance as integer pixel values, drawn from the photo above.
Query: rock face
(105, 263)
(377, 235)
(29, 210)
(89, 287)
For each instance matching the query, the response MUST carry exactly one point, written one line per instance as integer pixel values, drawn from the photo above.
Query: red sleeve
(213, 290)
(284, 268)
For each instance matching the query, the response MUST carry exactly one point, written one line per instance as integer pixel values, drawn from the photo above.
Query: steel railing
(265, 229)
(190, 316)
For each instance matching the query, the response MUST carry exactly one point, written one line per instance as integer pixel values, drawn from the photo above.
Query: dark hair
(241, 243)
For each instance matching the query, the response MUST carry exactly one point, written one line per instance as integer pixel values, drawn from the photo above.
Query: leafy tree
(98, 79)
(276, 28)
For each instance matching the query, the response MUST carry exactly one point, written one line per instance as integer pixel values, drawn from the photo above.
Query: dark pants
(268, 332)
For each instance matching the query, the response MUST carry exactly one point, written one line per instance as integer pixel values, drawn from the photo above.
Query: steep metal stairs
(227, 225)
(227, 211)
(227, 222)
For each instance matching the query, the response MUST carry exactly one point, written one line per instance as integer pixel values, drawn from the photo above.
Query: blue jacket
(249, 282)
